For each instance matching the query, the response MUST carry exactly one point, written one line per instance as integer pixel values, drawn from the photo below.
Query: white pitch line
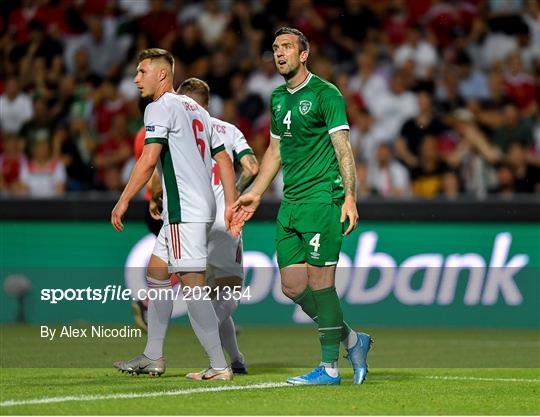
(11, 403)
(50, 400)
(474, 378)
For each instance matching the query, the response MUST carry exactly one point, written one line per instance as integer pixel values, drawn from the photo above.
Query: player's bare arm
(245, 206)
(347, 169)
(250, 169)
(226, 173)
(142, 172)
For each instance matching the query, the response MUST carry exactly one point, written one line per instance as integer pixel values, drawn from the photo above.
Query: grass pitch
(411, 372)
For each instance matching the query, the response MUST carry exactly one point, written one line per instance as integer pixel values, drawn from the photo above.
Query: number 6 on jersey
(197, 126)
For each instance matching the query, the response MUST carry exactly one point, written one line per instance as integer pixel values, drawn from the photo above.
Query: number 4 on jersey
(287, 120)
(315, 242)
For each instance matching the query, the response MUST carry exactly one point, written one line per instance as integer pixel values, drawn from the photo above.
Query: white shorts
(224, 253)
(183, 246)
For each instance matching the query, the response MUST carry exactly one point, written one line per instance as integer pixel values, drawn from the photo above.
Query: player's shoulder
(162, 104)
(216, 121)
(323, 87)
(165, 99)
(154, 106)
(225, 128)
(157, 112)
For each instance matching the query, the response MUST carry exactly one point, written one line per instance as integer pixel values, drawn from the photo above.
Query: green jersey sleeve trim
(337, 128)
(239, 156)
(274, 135)
(217, 150)
(163, 141)
(171, 186)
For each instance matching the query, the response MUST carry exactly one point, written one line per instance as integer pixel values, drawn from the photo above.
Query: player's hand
(154, 209)
(228, 217)
(117, 214)
(243, 209)
(348, 210)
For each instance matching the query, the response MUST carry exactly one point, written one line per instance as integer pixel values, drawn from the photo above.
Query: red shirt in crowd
(521, 89)
(11, 168)
(48, 15)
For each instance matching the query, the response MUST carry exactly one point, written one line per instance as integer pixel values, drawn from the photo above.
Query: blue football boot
(318, 376)
(357, 356)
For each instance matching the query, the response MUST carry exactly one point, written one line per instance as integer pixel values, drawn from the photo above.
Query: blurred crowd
(442, 96)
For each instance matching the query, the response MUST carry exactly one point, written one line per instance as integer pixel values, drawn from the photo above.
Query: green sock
(330, 321)
(307, 302)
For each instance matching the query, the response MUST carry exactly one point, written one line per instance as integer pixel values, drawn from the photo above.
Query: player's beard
(291, 73)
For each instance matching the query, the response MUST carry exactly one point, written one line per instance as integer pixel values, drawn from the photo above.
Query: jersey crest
(304, 107)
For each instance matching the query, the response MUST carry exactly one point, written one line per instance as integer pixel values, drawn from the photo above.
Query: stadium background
(442, 99)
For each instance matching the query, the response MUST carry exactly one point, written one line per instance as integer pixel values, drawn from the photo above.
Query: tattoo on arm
(247, 177)
(345, 157)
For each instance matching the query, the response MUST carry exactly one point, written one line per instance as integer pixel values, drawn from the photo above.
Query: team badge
(304, 107)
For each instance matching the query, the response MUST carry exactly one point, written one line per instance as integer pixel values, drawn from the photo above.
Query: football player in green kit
(310, 140)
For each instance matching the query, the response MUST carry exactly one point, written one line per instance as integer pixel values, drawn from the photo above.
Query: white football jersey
(236, 146)
(185, 130)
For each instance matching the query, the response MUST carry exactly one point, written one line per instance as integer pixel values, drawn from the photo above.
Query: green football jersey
(303, 119)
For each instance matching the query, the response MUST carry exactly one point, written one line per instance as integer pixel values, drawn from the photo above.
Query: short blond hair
(156, 53)
(196, 86)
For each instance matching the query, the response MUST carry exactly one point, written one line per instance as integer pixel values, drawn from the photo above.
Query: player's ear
(304, 56)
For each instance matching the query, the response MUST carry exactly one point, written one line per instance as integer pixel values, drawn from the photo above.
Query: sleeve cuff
(239, 156)
(337, 128)
(274, 135)
(163, 141)
(217, 150)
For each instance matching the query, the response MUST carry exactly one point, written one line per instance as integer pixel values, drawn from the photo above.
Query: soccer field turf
(412, 371)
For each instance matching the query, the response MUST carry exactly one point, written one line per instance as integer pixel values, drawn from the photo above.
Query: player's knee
(228, 283)
(157, 268)
(192, 279)
(291, 291)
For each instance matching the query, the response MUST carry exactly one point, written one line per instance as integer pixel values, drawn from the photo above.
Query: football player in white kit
(225, 270)
(179, 134)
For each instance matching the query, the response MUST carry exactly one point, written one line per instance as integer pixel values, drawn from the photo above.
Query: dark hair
(195, 86)
(302, 40)
(156, 53)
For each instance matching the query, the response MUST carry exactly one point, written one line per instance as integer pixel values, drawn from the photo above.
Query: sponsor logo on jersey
(304, 107)
(315, 255)
(277, 108)
(150, 128)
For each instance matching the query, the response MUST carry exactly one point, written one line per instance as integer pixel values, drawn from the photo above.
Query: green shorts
(309, 232)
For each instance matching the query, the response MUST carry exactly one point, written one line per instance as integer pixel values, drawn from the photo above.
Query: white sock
(205, 325)
(224, 308)
(159, 314)
(351, 340)
(227, 333)
(331, 369)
